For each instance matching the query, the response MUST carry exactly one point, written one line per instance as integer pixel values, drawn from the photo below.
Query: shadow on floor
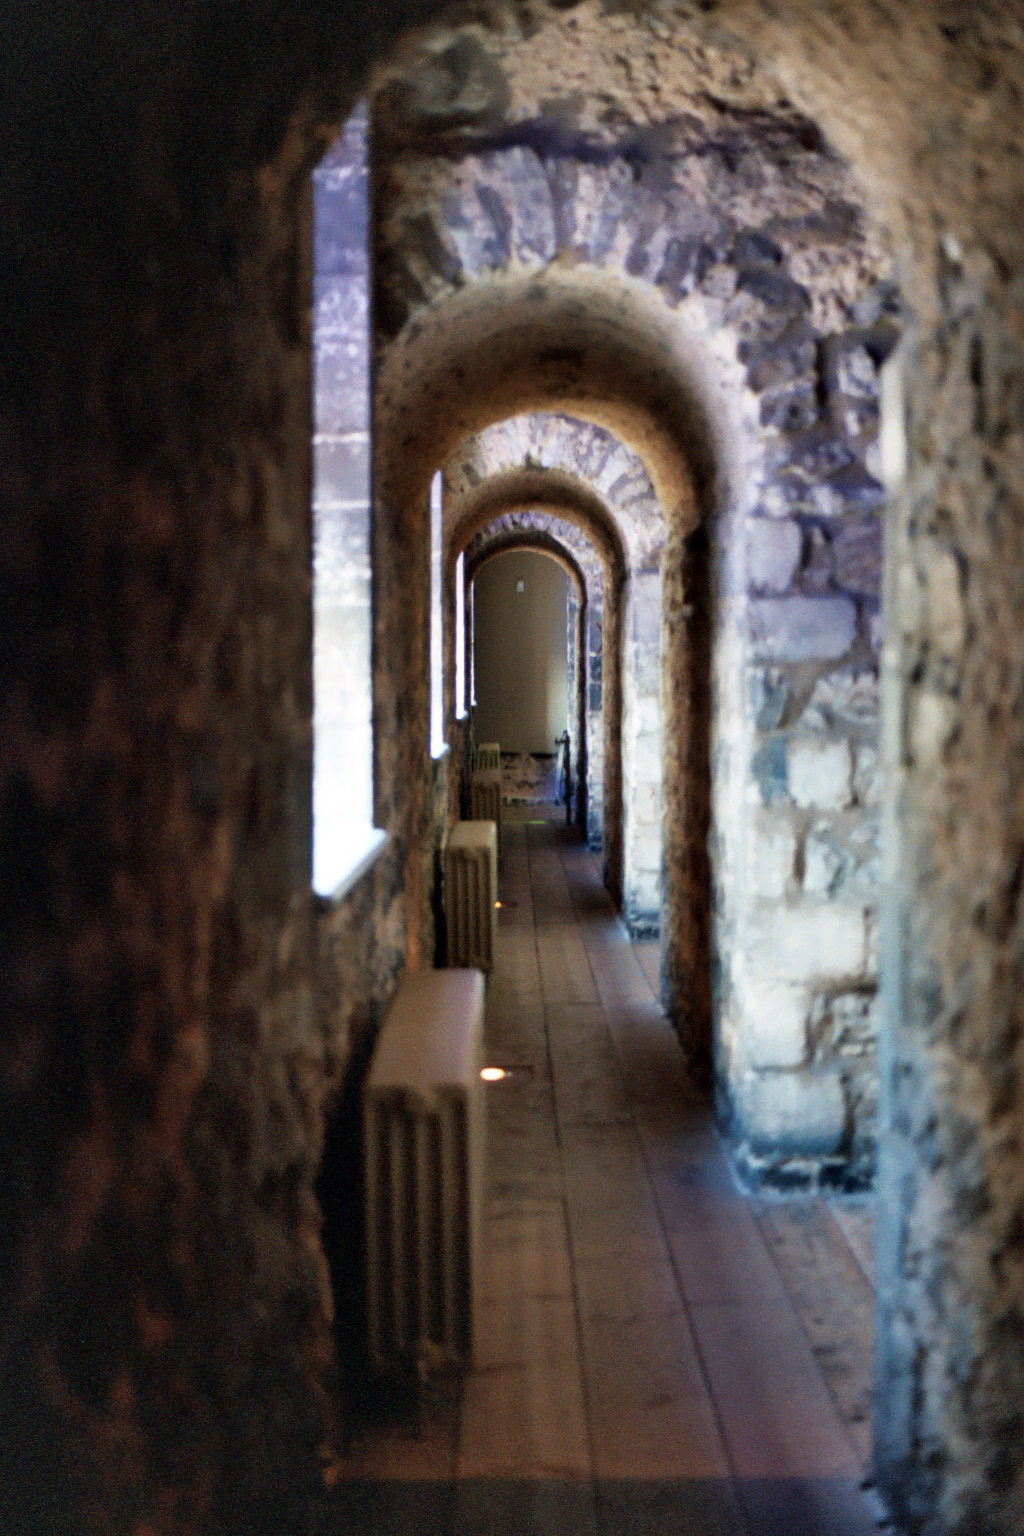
(606, 1507)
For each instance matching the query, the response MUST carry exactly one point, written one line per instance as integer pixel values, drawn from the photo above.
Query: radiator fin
(485, 797)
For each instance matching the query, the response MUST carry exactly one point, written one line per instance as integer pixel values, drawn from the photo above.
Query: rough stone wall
(163, 1072)
(808, 950)
(576, 687)
(951, 1314)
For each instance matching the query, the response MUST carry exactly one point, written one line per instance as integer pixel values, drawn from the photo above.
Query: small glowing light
(497, 903)
(492, 1074)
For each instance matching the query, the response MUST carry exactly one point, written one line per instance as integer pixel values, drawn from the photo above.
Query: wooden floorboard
(856, 1220)
(648, 954)
(834, 1303)
(659, 1354)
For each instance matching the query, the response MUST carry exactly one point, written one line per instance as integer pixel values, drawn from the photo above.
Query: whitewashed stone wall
(802, 1003)
(642, 753)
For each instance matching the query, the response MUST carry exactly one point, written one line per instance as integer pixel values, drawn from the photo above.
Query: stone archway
(507, 534)
(560, 505)
(595, 750)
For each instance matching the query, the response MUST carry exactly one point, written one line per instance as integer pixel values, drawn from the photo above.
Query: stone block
(881, 299)
(842, 861)
(857, 490)
(857, 550)
(819, 566)
(841, 700)
(851, 368)
(775, 1033)
(790, 409)
(867, 776)
(872, 945)
(794, 1114)
(844, 1024)
(789, 356)
(771, 852)
(802, 628)
(533, 224)
(645, 764)
(805, 941)
(820, 773)
(774, 289)
(773, 553)
(818, 454)
(645, 849)
(769, 771)
(646, 718)
(684, 266)
(768, 691)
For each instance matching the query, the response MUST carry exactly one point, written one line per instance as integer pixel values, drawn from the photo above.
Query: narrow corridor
(660, 1353)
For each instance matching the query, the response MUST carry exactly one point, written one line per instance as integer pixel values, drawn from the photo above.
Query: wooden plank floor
(661, 1354)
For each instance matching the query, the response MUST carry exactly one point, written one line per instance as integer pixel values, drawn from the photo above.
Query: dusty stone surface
(163, 1083)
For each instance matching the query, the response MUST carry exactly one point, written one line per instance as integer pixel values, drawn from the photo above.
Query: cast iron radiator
(424, 1126)
(470, 893)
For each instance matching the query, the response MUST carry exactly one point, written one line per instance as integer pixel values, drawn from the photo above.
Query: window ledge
(349, 875)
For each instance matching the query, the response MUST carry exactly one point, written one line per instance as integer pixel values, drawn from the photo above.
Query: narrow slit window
(460, 637)
(437, 742)
(344, 836)
(472, 645)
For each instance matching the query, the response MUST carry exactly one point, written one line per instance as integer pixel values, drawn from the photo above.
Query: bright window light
(437, 742)
(344, 837)
(460, 637)
(472, 644)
